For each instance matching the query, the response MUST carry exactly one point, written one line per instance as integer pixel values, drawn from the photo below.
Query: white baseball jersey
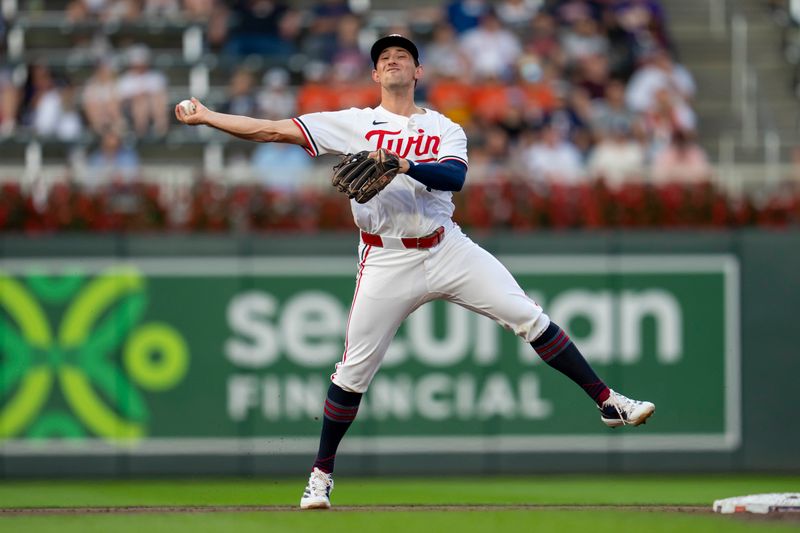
(406, 207)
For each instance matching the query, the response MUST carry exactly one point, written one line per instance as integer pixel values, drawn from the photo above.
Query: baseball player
(411, 251)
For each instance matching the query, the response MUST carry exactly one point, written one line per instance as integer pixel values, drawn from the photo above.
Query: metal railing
(744, 82)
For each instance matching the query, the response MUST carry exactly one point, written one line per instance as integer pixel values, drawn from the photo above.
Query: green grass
(392, 522)
(596, 490)
(688, 490)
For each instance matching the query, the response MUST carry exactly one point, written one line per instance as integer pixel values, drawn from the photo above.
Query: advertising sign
(234, 355)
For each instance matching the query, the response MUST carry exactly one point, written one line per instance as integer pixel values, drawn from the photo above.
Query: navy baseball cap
(394, 39)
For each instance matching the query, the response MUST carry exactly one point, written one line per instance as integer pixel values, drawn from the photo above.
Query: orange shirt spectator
(313, 97)
(357, 95)
(683, 161)
(453, 98)
(491, 101)
(538, 95)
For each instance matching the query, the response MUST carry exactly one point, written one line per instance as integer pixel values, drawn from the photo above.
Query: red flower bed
(213, 207)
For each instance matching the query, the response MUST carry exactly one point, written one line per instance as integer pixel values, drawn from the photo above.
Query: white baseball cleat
(318, 491)
(619, 410)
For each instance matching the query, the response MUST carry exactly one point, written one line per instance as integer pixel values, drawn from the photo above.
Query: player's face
(396, 68)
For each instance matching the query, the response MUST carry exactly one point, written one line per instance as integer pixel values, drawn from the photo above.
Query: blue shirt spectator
(281, 167)
(262, 27)
(112, 161)
(464, 15)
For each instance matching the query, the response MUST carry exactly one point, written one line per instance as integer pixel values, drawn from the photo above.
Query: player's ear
(375, 76)
(418, 72)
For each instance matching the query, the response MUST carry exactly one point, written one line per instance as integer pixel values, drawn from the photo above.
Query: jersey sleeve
(326, 132)
(454, 144)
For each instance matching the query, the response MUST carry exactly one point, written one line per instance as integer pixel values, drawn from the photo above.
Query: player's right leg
(389, 286)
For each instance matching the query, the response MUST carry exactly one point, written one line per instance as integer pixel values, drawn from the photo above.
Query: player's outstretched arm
(248, 128)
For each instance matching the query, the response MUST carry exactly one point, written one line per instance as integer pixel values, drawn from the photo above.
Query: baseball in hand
(188, 107)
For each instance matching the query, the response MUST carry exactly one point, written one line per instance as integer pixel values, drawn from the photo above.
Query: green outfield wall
(123, 355)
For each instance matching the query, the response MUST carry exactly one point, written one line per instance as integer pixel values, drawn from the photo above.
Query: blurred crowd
(549, 91)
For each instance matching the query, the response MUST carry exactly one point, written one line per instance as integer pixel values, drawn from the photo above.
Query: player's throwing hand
(193, 114)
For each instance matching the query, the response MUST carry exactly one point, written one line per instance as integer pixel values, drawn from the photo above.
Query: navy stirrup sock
(340, 411)
(557, 350)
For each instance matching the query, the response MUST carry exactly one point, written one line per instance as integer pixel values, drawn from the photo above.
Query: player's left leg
(557, 350)
(390, 284)
(475, 279)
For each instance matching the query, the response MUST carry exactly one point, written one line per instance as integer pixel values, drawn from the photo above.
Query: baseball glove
(361, 177)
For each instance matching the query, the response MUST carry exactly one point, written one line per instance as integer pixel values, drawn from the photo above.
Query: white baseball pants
(392, 283)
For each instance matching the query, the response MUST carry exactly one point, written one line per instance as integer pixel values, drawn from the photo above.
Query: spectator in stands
(443, 54)
(451, 95)
(611, 111)
(101, 103)
(9, 102)
(48, 107)
(667, 116)
(116, 10)
(321, 39)
(143, 92)
(571, 115)
(84, 10)
(592, 75)
(282, 167)
(617, 158)
(583, 39)
(683, 161)
(580, 116)
(490, 161)
(542, 39)
(94, 45)
(517, 15)
(169, 9)
(358, 93)
(644, 23)
(267, 28)
(464, 15)
(537, 82)
(38, 83)
(241, 98)
(317, 93)
(621, 57)
(347, 59)
(639, 15)
(491, 100)
(216, 23)
(277, 99)
(46, 111)
(552, 158)
(198, 10)
(568, 12)
(492, 49)
(658, 72)
(114, 161)
(69, 125)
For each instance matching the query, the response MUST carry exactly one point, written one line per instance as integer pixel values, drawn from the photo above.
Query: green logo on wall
(74, 356)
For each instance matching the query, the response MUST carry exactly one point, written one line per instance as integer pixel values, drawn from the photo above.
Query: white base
(760, 503)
